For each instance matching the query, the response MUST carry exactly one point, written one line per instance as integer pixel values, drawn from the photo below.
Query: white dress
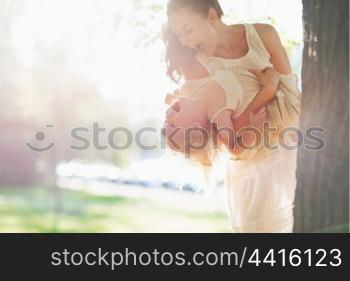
(260, 189)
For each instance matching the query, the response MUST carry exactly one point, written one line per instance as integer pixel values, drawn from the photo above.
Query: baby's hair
(177, 56)
(198, 144)
(200, 6)
(203, 157)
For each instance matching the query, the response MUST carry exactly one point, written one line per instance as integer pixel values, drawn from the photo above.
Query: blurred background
(94, 66)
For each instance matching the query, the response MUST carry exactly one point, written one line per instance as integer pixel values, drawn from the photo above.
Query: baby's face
(182, 116)
(182, 113)
(186, 112)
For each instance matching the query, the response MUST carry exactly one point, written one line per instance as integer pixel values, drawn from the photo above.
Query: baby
(202, 110)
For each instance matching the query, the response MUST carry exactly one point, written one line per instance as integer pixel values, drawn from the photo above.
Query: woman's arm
(270, 80)
(221, 118)
(280, 62)
(274, 47)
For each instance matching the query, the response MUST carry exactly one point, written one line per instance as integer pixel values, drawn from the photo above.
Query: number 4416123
(296, 257)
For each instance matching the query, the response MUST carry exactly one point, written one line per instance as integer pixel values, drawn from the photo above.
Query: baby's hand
(170, 98)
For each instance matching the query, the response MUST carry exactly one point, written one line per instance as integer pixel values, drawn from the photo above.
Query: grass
(33, 210)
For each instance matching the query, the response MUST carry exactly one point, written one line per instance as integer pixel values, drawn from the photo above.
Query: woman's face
(194, 30)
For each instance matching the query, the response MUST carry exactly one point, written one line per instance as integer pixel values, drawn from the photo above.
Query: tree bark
(322, 198)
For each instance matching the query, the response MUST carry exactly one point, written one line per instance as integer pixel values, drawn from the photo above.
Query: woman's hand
(268, 77)
(257, 120)
(252, 120)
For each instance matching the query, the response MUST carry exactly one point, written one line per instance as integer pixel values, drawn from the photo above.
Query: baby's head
(188, 132)
(194, 23)
(189, 139)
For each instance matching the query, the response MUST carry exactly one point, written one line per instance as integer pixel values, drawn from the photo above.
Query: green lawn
(32, 210)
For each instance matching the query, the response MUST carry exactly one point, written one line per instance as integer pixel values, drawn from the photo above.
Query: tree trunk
(322, 198)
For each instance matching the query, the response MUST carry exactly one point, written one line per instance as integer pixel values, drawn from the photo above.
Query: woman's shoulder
(263, 29)
(260, 27)
(267, 34)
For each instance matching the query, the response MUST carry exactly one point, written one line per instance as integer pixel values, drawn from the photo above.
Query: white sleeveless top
(226, 79)
(239, 86)
(257, 56)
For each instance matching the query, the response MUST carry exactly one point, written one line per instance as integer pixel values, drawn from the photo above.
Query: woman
(198, 25)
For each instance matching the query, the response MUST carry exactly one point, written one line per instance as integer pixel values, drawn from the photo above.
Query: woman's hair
(200, 6)
(177, 56)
